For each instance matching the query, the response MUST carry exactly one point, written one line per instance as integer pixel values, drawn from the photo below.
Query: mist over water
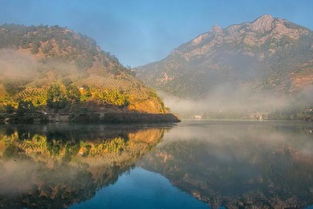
(237, 100)
(232, 164)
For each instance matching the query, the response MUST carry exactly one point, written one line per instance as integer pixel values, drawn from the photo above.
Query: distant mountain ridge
(267, 54)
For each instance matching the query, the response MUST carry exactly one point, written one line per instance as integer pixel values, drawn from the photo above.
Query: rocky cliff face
(265, 54)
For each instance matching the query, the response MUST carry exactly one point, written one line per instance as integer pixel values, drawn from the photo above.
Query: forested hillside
(56, 68)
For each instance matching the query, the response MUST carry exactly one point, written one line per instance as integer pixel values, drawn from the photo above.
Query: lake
(190, 165)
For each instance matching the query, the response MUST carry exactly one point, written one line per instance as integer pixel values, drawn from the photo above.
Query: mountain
(268, 54)
(37, 59)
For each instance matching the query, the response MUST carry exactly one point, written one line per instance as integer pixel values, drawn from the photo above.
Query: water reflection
(141, 189)
(239, 164)
(229, 164)
(55, 166)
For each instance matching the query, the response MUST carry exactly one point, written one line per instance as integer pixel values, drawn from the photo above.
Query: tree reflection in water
(230, 164)
(55, 166)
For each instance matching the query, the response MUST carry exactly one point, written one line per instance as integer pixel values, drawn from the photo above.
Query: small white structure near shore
(197, 117)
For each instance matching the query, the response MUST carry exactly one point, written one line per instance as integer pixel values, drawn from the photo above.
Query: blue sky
(142, 31)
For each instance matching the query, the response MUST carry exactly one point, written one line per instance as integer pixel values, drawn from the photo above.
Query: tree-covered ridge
(59, 96)
(77, 104)
(35, 58)
(57, 42)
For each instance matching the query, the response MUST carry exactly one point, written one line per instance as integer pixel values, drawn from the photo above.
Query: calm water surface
(195, 164)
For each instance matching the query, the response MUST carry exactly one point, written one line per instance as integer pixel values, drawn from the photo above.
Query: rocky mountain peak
(267, 53)
(263, 23)
(217, 29)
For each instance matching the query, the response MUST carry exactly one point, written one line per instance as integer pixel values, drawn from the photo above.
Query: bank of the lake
(87, 117)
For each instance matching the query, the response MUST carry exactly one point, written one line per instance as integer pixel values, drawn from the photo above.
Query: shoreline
(89, 117)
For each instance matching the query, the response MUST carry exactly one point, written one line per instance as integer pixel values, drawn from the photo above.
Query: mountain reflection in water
(222, 164)
(141, 189)
(239, 164)
(55, 166)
